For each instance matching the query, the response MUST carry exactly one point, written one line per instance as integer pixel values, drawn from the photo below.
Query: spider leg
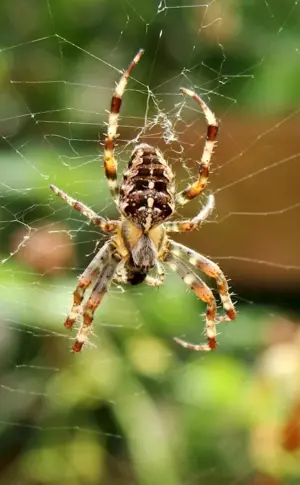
(197, 187)
(124, 277)
(120, 276)
(191, 224)
(99, 291)
(210, 269)
(110, 163)
(84, 281)
(205, 294)
(156, 280)
(106, 226)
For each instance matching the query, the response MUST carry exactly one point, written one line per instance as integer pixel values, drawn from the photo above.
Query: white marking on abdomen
(148, 221)
(150, 202)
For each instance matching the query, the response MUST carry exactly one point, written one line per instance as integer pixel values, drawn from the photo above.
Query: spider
(139, 240)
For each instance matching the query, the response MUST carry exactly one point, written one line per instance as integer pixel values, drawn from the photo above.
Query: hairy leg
(157, 280)
(190, 225)
(205, 294)
(197, 187)
(210, 269)
(85, 279)
(110, 163)
(97, 295)
(104, 225)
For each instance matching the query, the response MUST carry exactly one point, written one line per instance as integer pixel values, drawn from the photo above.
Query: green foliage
(132, 407)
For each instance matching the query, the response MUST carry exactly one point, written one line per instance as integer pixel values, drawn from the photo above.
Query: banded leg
(210, 269)
(205, 294)
(190, 225)
(94, 301)
(197, 187)
(107, 226)
(84, 281)
(156, 280)
(110, 163)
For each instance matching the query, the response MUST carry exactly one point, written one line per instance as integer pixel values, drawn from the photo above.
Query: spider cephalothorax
(139, 240)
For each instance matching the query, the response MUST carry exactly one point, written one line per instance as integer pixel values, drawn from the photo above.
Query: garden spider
(146, 199)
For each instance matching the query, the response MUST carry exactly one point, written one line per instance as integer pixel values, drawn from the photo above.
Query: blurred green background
(133, 408)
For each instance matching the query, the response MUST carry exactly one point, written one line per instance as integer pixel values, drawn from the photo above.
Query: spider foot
(72, 318)
(84, 330)
(222, 318)
(211, 345)
(77, 346)
(69, 323)
(230, 315)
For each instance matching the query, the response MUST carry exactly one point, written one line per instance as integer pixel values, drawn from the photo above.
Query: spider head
(144, 253)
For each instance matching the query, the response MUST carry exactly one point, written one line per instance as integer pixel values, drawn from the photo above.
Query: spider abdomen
(147, 189)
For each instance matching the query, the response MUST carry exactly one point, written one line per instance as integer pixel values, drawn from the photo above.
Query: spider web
(132, 407)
